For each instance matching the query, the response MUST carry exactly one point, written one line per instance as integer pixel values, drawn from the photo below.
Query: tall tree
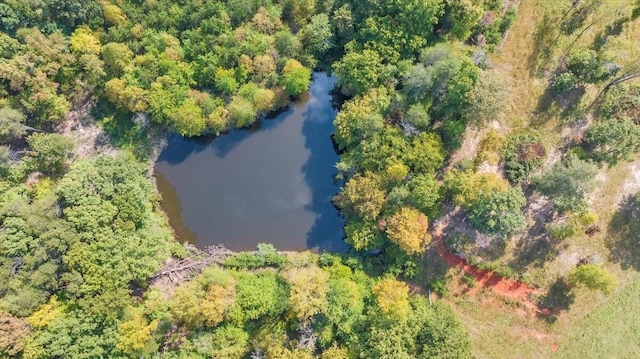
(408, 228)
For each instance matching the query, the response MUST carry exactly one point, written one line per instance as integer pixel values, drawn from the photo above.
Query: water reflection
(272, 183)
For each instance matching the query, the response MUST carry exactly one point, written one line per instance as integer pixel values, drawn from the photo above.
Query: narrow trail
(484, 279)
(515, 61)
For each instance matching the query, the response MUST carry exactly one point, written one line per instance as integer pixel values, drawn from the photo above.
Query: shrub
(439, 286)
(469, 280)
(522, 154)
(501, 270)
(565, 81)
(593, 277)
(562, 230)
(242, 260)
(459, 242)
(488, 148)
(622, 101)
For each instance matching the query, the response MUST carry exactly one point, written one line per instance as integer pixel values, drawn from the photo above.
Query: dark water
(270, 184)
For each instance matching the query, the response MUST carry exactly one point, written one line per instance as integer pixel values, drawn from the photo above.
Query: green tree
(418, 116)
(500, 213)
(288, 44)
(226, 341)
(425, 193)
(398, 29)
(343, 21)
(360, 118)
(335, 352)
(127, 98)
(362, 196)
(317, 34)
(467, 188)
(345, 308)
(122, 236)
(260, 295)
(442, 335)
(50, 152)
(225, 81)
(188, 119)
(486, 99)
(264, 100)
(357, 72)
(241, 112)
(114, 15)
(204, 301)
(295, 77)
(567, 183)
(613, 140)
(462, 15)
(396, 173)
(117, 56)
(299, 11)
(5, 160)
(75, 334)
(12, 125)
(363, 235)
(185, 306)
(427, 153)
(82, 40)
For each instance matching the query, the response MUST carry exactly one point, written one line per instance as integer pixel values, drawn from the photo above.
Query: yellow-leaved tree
(308, 294)
(393, 298)
(408, 228)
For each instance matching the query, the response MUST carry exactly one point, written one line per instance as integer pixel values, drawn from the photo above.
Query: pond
(272, 183)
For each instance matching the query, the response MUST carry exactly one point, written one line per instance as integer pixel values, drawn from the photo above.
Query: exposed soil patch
(89, 138)
(632, 184)
(503, 286)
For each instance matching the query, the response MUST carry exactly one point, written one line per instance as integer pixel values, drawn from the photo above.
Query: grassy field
(612, 330)
(589, 324)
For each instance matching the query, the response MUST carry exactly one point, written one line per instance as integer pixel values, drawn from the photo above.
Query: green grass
(612, 330)
(590, 325)
(500, 328)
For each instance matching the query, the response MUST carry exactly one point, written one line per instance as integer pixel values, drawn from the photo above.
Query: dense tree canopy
(80, 234)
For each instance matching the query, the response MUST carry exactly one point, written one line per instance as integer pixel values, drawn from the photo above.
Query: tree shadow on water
(179, 148)
(326, 234)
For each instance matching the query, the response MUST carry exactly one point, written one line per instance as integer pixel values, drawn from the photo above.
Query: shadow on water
(183, 147)
(328, 225)
(174, 211)
(250, 186)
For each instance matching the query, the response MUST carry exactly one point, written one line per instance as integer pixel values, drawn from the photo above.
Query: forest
(514, 149)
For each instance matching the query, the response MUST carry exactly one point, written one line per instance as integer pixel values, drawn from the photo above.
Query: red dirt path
(484, 279)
